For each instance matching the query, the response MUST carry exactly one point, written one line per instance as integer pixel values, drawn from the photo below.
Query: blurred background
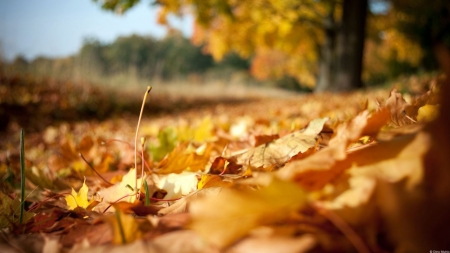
(88, 57)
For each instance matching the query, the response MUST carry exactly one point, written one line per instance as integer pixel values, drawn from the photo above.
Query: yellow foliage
(79, 199)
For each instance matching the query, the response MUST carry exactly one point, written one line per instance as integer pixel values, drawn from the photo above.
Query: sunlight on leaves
(177, 185)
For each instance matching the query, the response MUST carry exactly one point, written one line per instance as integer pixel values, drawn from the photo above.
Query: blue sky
(57, 28)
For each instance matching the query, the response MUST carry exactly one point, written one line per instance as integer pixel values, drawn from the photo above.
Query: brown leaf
(402, 113)
(276, 153)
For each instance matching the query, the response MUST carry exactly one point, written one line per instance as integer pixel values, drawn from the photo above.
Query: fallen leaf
(401, 111)
(428, 113)
(123, 191)
(209, 180)
(231, 214)
(176, 185)
(80, 198)
(125, 228)
(278, 152)
(183, 158)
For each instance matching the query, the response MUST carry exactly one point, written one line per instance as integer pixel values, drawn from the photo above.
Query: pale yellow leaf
(176, 185)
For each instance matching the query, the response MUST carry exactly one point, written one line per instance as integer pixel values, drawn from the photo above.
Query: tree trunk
(326, 63)
(350, 46)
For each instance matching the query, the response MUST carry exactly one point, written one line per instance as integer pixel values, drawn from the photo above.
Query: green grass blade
(22, 176)
(147, 194)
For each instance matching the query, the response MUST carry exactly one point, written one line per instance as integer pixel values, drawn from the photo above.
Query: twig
(149, 88)
(92, 167)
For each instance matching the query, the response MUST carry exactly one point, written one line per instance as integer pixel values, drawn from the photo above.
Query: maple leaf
(232, 213)
(80, 198)
(276, 153)
(184, 157)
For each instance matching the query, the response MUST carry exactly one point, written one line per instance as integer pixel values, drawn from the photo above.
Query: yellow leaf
(125, 228)
(209, 180)
(181, 158)
(428, 113)
(80, 198)
(224, 218)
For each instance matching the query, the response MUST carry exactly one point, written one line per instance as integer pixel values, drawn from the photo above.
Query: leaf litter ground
(357, 172)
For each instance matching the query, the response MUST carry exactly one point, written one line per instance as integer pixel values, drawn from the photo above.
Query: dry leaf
(401, 111)
(123, 191)
(176, 185)
(278, 152)
(231, 214)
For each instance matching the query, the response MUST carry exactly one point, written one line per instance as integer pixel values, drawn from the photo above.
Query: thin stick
(406, 115)
(149, 88)
(92, 167)
(22, 176)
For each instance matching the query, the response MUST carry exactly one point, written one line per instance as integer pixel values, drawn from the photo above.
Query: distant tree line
(146, 57)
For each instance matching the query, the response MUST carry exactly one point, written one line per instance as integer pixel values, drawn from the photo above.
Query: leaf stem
(149, 88)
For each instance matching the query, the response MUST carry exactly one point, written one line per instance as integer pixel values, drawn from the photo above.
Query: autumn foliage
(361, 172)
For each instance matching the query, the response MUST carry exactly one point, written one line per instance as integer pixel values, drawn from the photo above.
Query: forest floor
(259, 170)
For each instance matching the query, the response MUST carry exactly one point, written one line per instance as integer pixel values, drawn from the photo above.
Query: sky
(57, 28)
